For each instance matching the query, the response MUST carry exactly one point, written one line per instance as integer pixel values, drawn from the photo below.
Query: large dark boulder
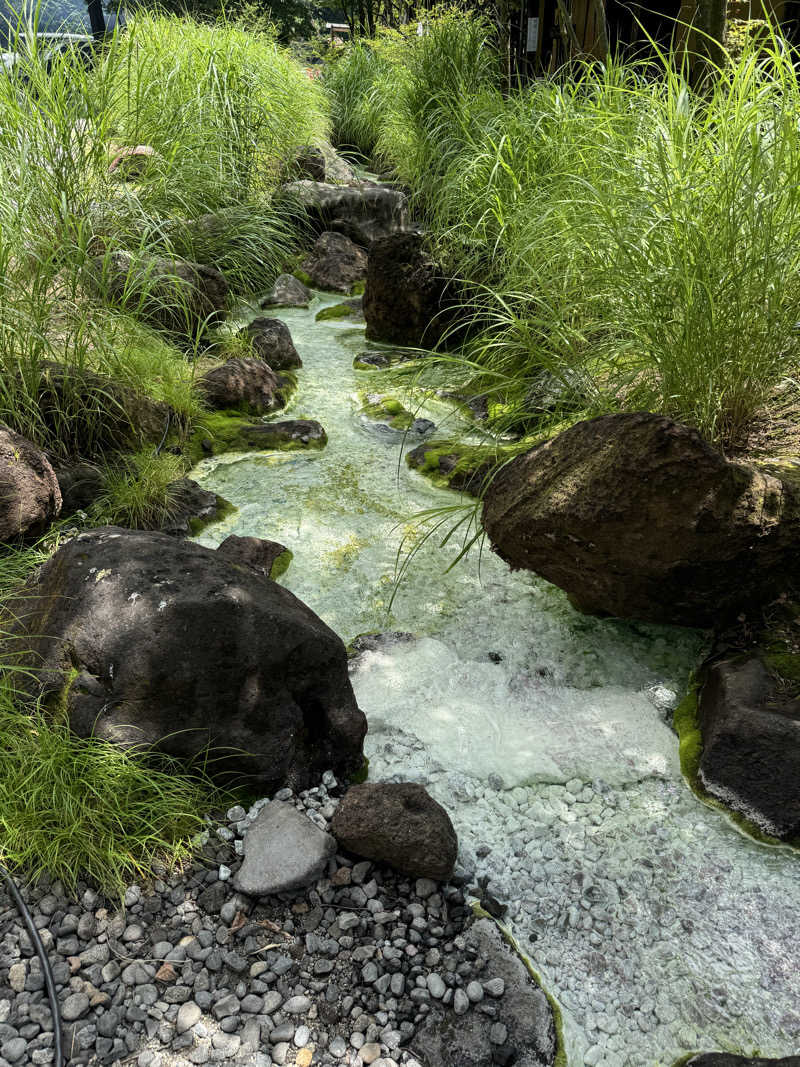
(247, 385)
(272, 341)
(751, 744)
(399, 824)
(176, 294)
(406, 300)
(449, 1040)
(336, 263)
(636, 516)
(725, 1059)
(362, 210)
(150, 640)
(30, 497)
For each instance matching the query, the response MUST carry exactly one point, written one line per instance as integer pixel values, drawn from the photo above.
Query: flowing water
(655, 924)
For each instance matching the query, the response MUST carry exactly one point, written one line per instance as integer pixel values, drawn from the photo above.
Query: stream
(655, 924)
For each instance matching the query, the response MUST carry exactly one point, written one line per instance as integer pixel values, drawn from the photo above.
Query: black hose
(47, 970)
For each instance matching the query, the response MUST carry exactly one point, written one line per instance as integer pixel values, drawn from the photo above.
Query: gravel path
(188, 971)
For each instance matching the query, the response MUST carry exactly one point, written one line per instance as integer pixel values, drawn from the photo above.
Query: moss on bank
(560, 1059)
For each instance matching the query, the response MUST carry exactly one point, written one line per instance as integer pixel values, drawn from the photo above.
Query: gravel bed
(188, 971)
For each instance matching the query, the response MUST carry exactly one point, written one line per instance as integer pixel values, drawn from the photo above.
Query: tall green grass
(224, 110)
(80, 808)
(627, 241)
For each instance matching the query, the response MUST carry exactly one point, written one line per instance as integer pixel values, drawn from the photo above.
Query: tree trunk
(709, 39)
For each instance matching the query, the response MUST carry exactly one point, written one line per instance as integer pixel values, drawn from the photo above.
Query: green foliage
(138, 491)
(224, 110)
(620, 234)
(75, 808)
(352, 81)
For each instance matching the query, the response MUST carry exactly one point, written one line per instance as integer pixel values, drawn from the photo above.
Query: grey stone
(287, 291)
(188, 1015)
(14, 1049)
(297, 1005)
(460, 1002)
(283, 850)
(75, 1005)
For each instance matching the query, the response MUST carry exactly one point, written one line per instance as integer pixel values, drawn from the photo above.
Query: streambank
(657, 927)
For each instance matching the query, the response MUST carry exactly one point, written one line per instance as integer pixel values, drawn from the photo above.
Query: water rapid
(654, 923)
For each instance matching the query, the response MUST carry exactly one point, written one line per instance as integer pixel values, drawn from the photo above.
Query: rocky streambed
(656, 925)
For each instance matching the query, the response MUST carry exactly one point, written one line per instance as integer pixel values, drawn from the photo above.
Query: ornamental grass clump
(75, 808)
(626, 240)
(222, 111)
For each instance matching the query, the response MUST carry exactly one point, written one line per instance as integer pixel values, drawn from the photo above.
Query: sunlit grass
(618, 231)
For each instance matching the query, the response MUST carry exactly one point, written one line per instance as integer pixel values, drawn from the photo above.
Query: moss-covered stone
(348, 309)
(686, 722)
(453, 465)
(223, 509)
(386, 409)
(335, 311)
(219, 433)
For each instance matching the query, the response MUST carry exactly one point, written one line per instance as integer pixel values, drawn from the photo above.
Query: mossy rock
(386, 409)
(686, 722)
(348, 309)
(453, 465)
(380, 358)
(219, 433)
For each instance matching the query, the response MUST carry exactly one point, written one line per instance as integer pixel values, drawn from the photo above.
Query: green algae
(360, 776)
(281, 564)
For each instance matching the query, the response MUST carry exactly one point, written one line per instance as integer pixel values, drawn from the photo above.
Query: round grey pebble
(337, 1047)
(460, 1002)
(495, 987)
(297, 1005)
(76, 1005)
(475, 992)
(301, 1036)
(14, 1049)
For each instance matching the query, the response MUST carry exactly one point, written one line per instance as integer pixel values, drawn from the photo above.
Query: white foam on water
(656, 925)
